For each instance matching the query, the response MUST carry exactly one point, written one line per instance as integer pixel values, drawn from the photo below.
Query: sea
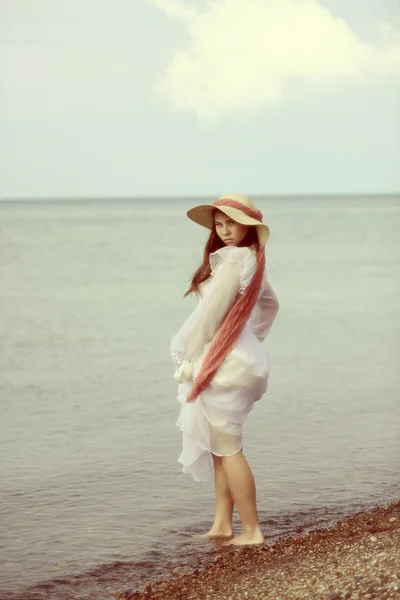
(92, 497)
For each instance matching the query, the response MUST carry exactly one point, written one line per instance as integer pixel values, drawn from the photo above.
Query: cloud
(78, 57)
(242, 53)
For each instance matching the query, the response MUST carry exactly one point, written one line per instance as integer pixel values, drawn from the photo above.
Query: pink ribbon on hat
(255, 214)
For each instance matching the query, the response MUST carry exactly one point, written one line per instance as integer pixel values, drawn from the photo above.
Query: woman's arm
(268, 306)
(205, 320)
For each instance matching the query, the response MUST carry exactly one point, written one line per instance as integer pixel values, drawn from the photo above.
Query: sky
(124, 98)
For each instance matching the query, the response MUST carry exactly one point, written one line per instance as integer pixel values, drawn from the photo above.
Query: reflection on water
(92, 499)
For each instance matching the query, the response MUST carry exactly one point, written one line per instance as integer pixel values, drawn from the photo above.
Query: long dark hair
(214, 243)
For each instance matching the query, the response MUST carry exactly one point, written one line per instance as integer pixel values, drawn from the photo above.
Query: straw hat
(203, 214)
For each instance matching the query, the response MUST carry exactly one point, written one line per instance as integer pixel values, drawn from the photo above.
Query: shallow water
(91, 293)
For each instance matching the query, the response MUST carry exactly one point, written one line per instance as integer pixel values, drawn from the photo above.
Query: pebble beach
(356, 558)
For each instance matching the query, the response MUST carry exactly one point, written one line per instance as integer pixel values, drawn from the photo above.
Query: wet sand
(357, 558)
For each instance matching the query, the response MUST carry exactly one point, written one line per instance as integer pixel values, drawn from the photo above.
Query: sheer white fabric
(209, 314)
(214, 422)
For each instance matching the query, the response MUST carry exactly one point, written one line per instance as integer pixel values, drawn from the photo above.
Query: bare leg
(222, 526)
(243, 489)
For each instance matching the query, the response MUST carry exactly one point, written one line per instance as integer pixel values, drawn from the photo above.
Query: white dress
(214, 422)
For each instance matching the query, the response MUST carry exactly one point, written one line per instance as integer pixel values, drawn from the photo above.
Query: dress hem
(204, 449)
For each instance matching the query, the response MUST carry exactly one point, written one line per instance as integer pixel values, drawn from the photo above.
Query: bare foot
(215, 532)
(248, 539)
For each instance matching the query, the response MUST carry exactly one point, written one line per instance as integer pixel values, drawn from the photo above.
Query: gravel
(357, 558)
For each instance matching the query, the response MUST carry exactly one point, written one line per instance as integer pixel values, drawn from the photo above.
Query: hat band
(255, 214)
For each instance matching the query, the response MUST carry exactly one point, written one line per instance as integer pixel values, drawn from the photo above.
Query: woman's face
(230, 232)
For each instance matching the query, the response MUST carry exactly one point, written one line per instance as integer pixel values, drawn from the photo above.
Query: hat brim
(203, 214)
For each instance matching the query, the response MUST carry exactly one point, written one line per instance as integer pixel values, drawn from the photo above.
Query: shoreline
(358, 557)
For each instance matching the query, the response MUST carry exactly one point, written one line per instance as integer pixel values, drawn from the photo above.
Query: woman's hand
(184, 372)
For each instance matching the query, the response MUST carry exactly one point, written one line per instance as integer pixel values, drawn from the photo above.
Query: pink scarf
(236, 318)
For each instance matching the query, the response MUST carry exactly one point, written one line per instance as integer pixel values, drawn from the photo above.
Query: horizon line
(192, 196)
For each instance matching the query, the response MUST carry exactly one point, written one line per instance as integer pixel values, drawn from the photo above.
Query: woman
(222, 363)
